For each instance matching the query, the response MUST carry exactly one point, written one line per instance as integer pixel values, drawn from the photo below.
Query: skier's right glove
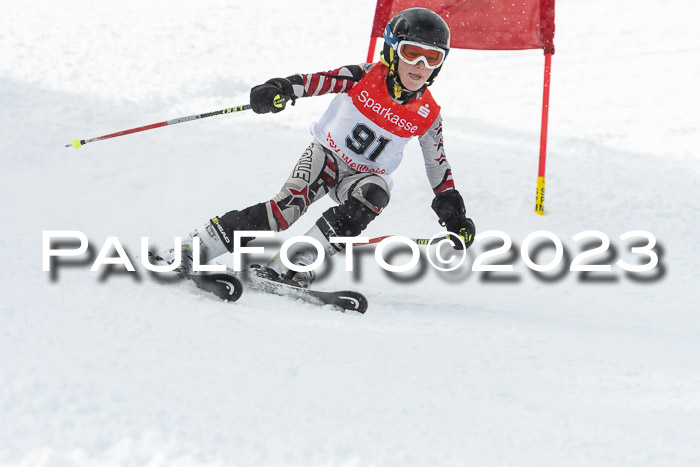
(449, 206)
(271, 96)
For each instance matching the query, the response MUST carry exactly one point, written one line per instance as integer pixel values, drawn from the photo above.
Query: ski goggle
(413, 52)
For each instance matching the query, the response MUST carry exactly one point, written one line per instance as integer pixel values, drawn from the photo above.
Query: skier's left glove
(271, 96)
(449, 206)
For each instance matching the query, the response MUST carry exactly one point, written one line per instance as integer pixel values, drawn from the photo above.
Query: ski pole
(418, 241)
(80, 142)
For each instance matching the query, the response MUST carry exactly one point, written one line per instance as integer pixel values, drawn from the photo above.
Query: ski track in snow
(113, 368)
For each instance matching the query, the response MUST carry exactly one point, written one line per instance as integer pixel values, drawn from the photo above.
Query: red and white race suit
(368, 130)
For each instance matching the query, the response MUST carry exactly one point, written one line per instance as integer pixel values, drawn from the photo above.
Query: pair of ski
(230, 286)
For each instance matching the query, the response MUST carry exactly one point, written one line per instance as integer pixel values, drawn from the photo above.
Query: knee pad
(372, 191)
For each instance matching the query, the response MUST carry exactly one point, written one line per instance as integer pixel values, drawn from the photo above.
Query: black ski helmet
(418, 25)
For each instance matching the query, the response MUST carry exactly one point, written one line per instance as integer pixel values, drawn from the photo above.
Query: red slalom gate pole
(539, 196)
(80, 142)
(372, 47)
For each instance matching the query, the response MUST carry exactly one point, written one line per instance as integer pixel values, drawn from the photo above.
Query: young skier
(358, 143)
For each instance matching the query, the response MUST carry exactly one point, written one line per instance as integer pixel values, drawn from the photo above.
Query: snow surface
(114, 368)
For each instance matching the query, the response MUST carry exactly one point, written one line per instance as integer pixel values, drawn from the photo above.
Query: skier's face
(413, 76)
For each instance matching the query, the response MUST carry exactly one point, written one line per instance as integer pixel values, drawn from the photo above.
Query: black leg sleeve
(251, 218)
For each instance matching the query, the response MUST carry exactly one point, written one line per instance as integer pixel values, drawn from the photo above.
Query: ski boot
(277, 272)
(210, 247)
